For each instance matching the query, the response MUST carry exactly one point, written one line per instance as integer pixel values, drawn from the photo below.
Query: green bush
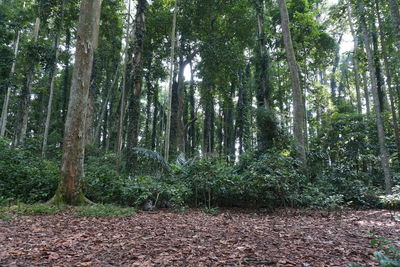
(25, 176)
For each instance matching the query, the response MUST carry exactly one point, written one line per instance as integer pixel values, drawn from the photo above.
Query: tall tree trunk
(149, 89)
(53, 71)
(355, 60)
(4, 111)
(121, 118)
(135, 79)
(265, 117)
(26, 93)
(394, 8)
(209, 114)
(155, 116)
(192, 112)
(171, 76)
(298, 110)
(335, 66)
(66, 81)
(384, 155)
(72, 163)
(366, 92)
(388, 79)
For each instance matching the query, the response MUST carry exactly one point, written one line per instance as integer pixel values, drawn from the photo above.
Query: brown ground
(232, 238)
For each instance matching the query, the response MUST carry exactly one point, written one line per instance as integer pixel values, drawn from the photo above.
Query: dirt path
(297, 238)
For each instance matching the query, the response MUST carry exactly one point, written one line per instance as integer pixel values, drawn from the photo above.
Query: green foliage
(388, 255)
(104, 210)
(24, 176)
(35, 209)
(392, 201)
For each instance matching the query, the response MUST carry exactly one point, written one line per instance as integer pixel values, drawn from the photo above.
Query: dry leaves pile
(232, 238)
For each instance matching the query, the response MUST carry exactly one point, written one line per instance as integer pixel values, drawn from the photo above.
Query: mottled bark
(72, 164)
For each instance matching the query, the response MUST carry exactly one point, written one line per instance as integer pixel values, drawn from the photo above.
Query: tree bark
(134, 79)
(298, 110)
(388, 79)
(171, 73)
(72, 164)
(53, 70)
(355, 60)
(384, 155)
(4, 111)
(26, 93)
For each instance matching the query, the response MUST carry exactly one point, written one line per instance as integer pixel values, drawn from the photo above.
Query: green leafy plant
(387, 255)
(35, 209)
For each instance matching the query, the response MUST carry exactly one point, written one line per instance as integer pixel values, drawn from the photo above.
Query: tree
(384, 155)
(72, 164)
(298, 109)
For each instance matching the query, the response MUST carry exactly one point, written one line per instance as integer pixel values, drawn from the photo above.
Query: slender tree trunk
(4, 111)
(53, 71)
(379, 122)
(192, 112)
(388, 79)
(26, 93)
(171, 74)
(66, 82)
(135, 79)
(149, 89)
(103, 109)
(335, 66)
(155, 116)
(121, 118)
(298, 110)
(355, 60)
(72, 163)
(394, 8)
(366, 93)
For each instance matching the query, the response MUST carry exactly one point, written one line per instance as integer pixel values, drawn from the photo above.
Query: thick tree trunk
(384, 155)
(72, 164)
(298, 110)
(4, 111)
(155, 116)
(192, 112)
(53, 71)
(134, 79)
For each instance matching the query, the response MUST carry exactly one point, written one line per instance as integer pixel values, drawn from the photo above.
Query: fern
(150, 154)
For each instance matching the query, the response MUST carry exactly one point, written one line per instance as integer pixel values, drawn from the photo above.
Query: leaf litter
(166, 238)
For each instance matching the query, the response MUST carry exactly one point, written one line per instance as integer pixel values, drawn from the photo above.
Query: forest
(277, 115)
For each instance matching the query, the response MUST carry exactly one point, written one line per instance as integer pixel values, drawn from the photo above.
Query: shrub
(25, 176)
(103, 210)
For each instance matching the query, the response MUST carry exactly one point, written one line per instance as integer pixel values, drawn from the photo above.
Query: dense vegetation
(234, 119)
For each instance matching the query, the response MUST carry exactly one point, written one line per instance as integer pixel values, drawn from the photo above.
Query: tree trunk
(388, 79)
(355, 61)
(135, 79)
(265, 117)
(379, 122)
(298, 110)
(26, 93)
(4, 111)
(72, 164)
(171, 74)
(53, 70)
(394, 8)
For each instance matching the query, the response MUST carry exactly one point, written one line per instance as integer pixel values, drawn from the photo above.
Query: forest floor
(166, 238)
